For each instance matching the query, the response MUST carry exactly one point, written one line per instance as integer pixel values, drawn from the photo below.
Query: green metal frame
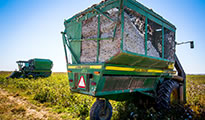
(128, 3)
(97, 91)
(101, 8)
(128, 70)
(66, 44)
(162, 42)
(122, 23)
(98, 42)
(149, 14)
(146, 22)
(100, 12)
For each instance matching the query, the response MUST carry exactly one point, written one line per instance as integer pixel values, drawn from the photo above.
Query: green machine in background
(121, 50)
(33, 68)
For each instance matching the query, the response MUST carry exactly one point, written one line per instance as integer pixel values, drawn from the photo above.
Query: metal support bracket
(99, 11)
(66, 42)
(181, 73)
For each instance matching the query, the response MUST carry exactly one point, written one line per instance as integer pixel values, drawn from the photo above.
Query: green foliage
(54, 92)
(122, 110)
(23, 83)
(196, 93)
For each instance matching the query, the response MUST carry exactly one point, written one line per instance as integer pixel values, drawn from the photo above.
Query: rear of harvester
(121, 50)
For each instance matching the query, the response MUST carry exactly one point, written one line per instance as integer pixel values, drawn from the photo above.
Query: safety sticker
(81, 83)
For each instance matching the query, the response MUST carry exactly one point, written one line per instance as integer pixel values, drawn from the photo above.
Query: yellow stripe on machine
(155, 71)
(96, 67)
(171, 66)
(72, 67)
(119, 68)
(133, 69)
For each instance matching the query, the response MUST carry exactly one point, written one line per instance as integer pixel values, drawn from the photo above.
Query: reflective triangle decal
(81, 83)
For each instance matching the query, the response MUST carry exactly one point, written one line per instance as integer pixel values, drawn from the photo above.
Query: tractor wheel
(101, 110)
(167, 94)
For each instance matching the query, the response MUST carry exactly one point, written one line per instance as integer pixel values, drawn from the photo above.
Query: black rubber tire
(164, 94)
(97, 109)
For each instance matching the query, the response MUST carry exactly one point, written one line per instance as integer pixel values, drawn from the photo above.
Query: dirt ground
(14, 107)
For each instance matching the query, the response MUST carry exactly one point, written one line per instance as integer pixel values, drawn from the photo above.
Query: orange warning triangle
(81, 83)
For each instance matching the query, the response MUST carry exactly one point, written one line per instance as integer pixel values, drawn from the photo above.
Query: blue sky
(31, 29)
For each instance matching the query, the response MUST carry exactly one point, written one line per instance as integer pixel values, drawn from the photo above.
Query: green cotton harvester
(121, 50)
(33, 68)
